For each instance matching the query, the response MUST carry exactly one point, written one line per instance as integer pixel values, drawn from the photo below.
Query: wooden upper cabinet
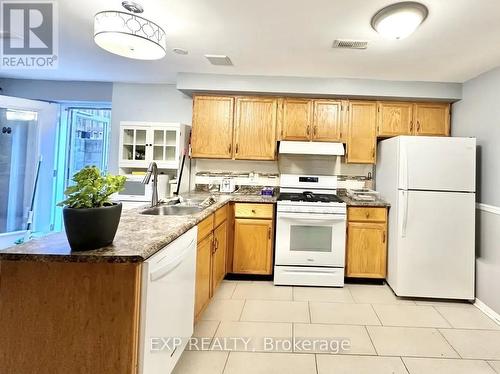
(212, 132)
(344, 124)
(362, 139)
(297, 119)
(255, 128)
(395, 119)
(432, 119)
(327, 122)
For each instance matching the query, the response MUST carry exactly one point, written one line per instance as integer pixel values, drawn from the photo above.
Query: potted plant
(90, 218)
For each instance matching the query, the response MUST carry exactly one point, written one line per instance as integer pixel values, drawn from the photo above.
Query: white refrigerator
(430, 184)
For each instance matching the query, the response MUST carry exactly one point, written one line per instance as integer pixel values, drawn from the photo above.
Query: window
(83, 139)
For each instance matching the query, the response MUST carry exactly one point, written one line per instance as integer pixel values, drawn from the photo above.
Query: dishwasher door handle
(171, 265)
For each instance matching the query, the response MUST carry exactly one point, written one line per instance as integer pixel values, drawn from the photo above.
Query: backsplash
(350, 175)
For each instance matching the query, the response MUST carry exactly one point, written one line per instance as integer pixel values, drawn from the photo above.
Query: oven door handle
(312, 217)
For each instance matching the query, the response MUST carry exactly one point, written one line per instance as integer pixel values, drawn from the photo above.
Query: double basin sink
(179, 209)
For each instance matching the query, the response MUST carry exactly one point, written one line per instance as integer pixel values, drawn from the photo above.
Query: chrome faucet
(152, 171)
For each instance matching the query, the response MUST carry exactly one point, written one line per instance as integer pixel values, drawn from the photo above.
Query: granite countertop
(378, 202)
(138, 237)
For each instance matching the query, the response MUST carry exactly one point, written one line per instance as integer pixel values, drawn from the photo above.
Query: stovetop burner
(308, 196)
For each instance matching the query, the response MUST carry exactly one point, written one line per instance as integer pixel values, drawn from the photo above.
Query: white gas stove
(310, 232)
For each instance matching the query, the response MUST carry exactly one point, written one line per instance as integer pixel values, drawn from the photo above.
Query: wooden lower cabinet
(219, 256)
(211, 258)
(366, 254)
(203, 274)
(253, 246)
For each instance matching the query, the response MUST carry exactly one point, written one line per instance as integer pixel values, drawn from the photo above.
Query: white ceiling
(459, 40)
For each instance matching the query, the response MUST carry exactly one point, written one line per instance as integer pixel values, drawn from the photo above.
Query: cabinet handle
(411, 127)
(367, 214)
(230, 148)
(253, 211)
(236, 149)
(308, 130)
(383, 237)
(315, 130)
(418, 126)
(269, 232)
(373, 152)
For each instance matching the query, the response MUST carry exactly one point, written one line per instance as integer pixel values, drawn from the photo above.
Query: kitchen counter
(380, 203)
(138, 237)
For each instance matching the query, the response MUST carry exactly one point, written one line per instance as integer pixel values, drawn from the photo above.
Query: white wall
(145, 102)
(478, 115)
(325, 87)
(47, 90)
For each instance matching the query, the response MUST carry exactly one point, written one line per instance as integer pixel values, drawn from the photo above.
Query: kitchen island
(79, 312)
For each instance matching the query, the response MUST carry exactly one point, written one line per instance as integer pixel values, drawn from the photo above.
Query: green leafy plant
(92, 189)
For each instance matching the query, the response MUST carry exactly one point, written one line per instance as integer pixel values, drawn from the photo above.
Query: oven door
(310, 239)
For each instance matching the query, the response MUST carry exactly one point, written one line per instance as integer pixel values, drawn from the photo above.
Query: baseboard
(488, 208)
(487, 310)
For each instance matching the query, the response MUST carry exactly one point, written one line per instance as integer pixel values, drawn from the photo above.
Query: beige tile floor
(384, 334)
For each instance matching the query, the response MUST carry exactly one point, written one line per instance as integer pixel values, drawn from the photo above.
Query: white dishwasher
(167, 304)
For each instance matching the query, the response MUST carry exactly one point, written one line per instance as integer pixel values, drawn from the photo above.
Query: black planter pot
(91, 228)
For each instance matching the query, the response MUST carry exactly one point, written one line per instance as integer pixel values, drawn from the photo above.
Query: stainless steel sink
(172, 210)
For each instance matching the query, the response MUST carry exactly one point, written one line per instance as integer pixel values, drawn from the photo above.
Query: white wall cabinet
(142, 143)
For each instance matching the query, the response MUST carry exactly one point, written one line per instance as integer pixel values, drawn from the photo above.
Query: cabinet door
(297, 118)
(255, 128)
(432, 119)
(165, 147)
(394, 119)
(344, 121)
(134, 145)
(219, 255)
(212, 131)
(366, 250)
(361, 146)
(203, 274)
(327, 120)
(252, 246)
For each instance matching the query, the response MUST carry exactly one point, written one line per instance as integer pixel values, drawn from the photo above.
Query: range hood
(311, 148)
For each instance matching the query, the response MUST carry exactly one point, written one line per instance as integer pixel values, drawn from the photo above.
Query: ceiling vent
(349, 44)
(221, 60)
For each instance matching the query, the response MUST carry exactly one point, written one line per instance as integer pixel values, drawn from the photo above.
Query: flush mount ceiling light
(129, 35)
(397, 21)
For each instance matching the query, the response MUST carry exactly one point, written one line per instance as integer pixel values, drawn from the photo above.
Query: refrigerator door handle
(405, 216)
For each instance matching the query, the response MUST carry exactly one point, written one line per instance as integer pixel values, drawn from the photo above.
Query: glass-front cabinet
(142, 143)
